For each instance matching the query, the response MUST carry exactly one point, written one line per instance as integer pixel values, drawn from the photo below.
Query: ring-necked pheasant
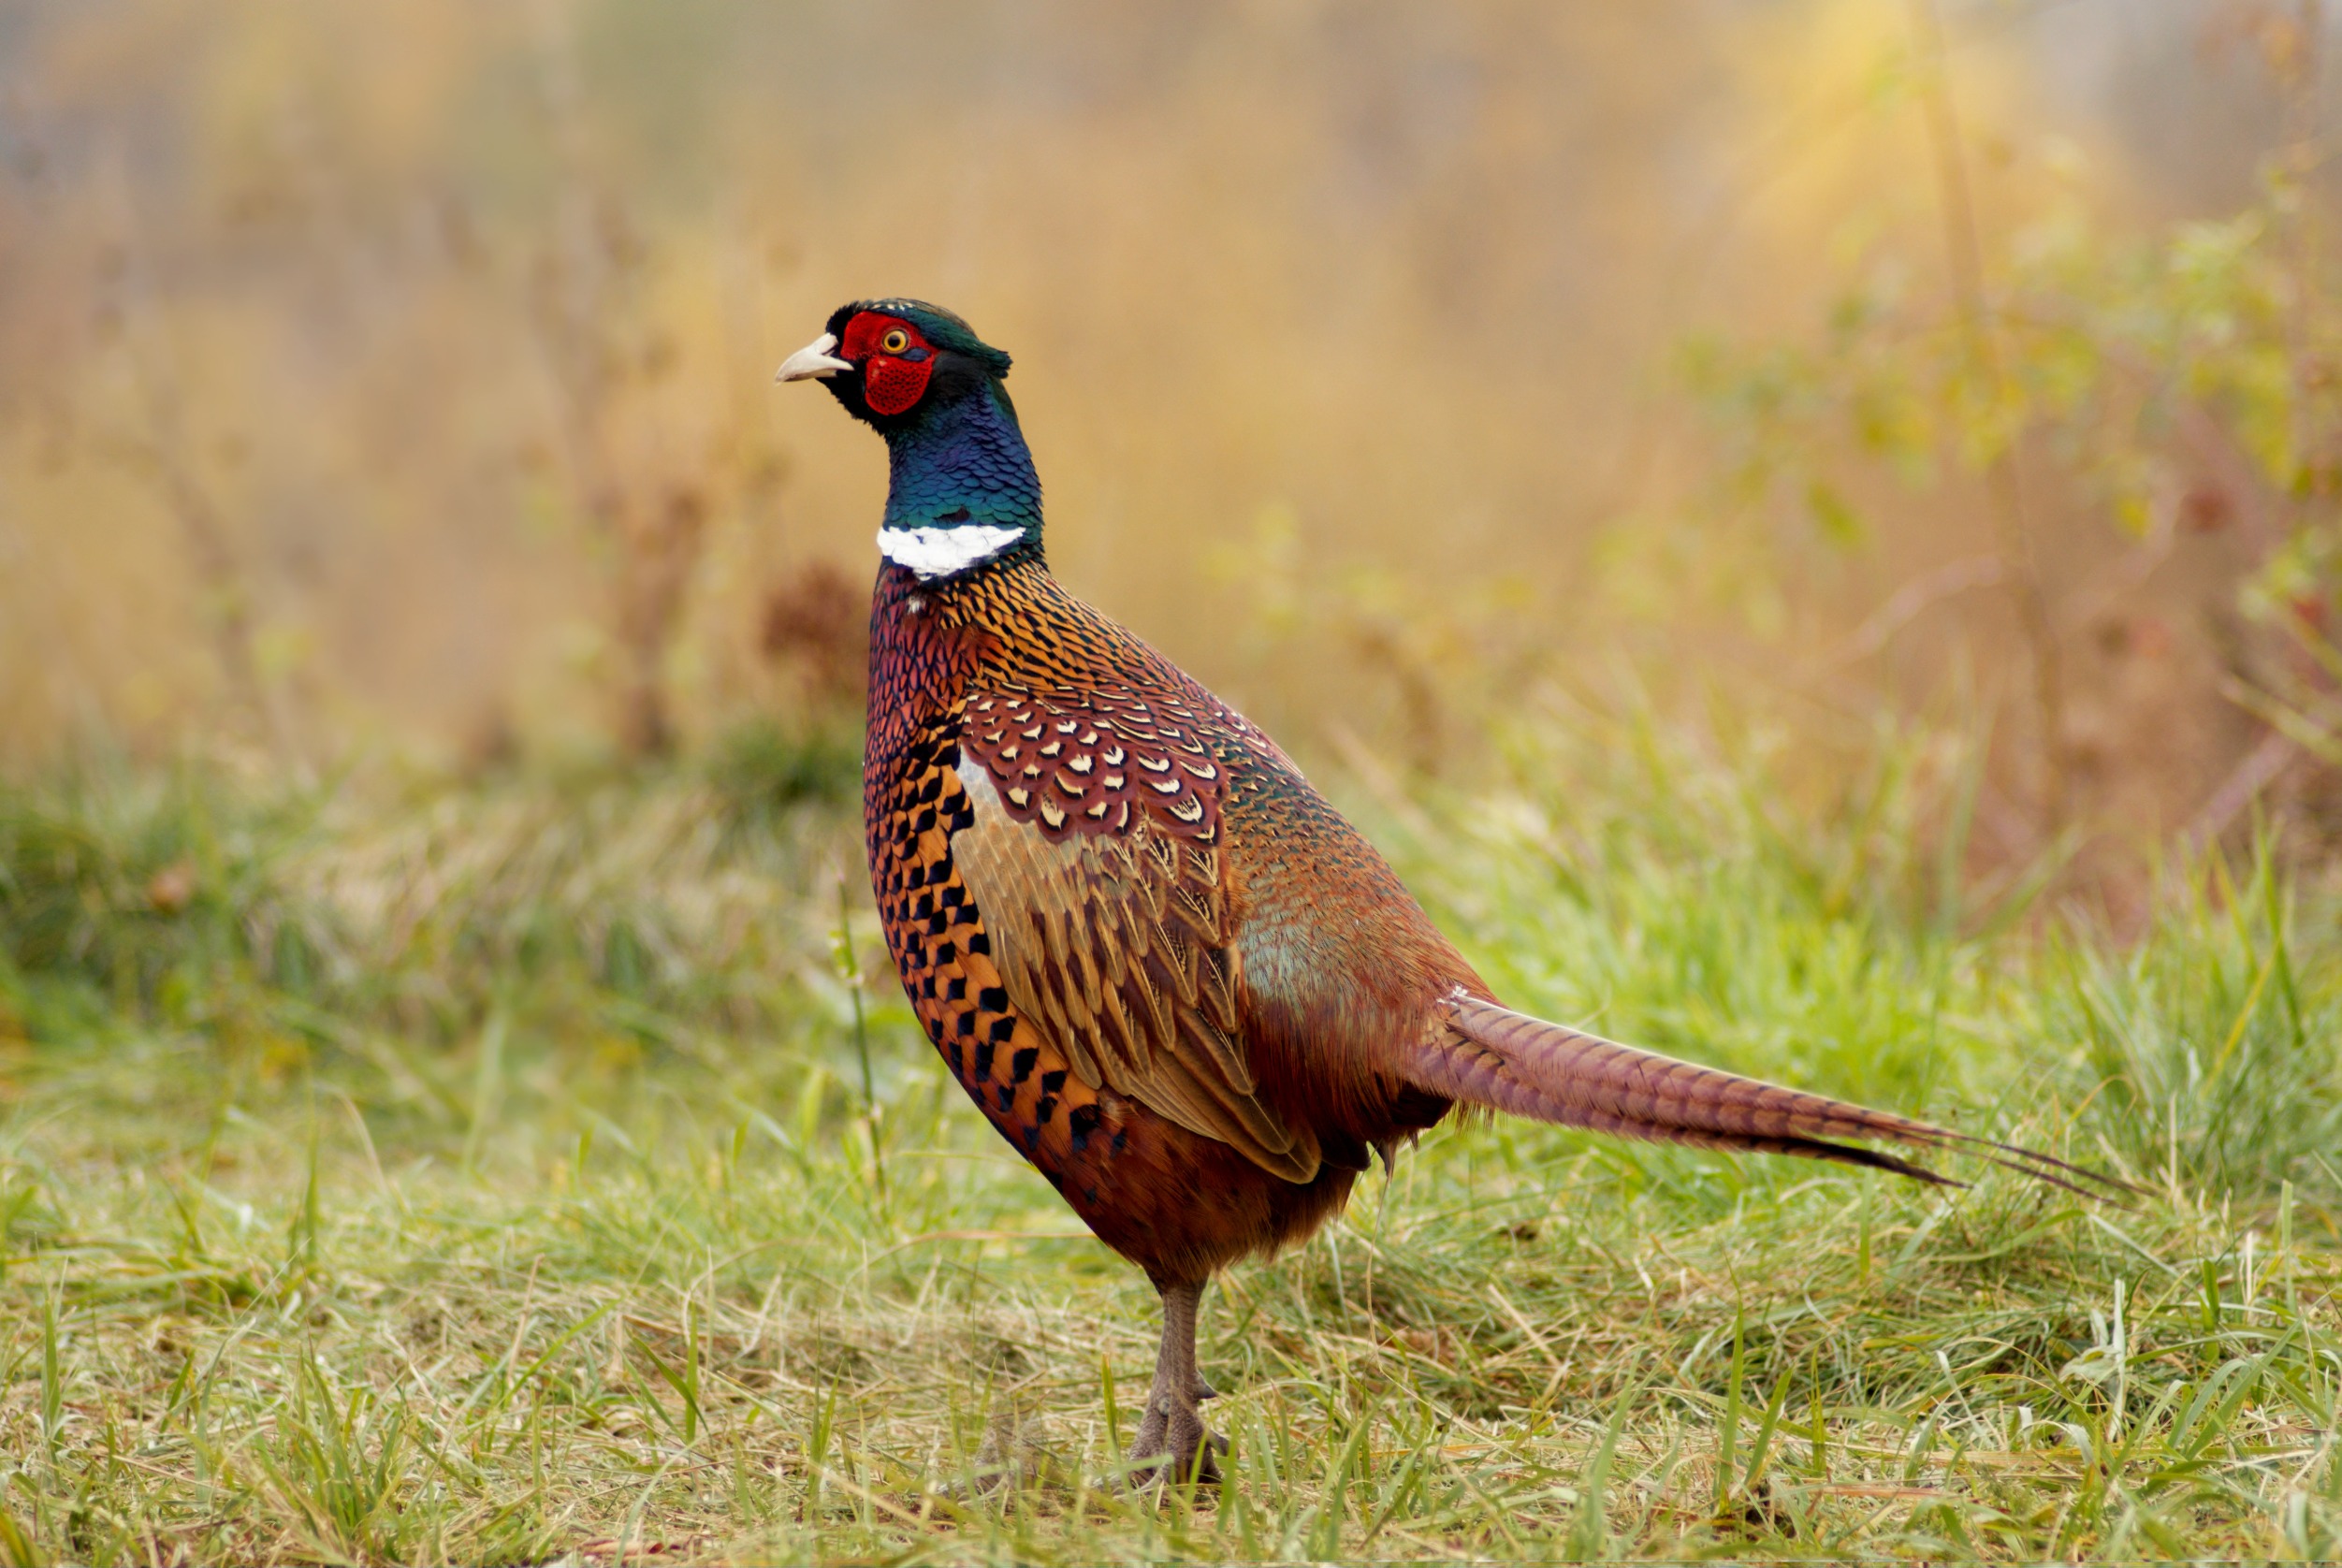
(1173, 978)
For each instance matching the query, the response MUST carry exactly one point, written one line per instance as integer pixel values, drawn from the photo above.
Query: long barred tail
(1496, 1057)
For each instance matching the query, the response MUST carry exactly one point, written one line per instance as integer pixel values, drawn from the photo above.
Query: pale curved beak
(814, 359)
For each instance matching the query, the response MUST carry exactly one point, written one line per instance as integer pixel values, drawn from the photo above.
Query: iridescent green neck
(963, 464)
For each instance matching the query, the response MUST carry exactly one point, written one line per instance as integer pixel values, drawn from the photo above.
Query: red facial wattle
(895, 360)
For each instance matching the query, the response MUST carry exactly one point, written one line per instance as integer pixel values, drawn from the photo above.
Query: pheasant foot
(1174, 1444)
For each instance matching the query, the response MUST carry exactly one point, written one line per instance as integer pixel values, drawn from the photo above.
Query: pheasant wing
(1098, 860)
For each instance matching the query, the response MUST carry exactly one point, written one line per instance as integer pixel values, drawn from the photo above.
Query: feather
(1118, 943)
(1489, 1055)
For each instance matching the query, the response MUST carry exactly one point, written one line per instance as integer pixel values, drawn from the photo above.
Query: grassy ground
(487, 1173)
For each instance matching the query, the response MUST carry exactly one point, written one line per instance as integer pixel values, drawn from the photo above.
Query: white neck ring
(940, 552)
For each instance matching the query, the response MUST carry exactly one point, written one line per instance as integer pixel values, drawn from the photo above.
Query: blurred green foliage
(256, 913)
(2186, 382)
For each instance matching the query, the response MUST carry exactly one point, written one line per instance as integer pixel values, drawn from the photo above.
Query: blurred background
(1810, 532)
(394, 382)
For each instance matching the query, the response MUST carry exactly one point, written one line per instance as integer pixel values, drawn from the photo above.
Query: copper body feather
(1063, 830)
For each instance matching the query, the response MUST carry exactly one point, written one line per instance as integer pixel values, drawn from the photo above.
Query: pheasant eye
(896, 341)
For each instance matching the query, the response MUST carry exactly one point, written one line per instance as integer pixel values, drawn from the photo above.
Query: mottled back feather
(1109, 892)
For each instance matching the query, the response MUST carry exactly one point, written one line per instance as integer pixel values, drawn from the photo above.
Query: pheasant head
(961, 490)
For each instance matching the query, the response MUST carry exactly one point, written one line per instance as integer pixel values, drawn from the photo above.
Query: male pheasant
(1172, 975)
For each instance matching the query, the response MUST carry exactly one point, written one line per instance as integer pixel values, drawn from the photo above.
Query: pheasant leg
(1172, 1442)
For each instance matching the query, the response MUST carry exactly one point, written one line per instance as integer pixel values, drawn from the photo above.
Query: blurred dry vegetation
(394, 380)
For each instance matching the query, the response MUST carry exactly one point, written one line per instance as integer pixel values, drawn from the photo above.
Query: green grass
(483, 1173)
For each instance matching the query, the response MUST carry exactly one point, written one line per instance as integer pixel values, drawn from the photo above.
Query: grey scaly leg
(1172, 1431)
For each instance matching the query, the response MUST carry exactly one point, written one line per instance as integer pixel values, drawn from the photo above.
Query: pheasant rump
(1168, 973)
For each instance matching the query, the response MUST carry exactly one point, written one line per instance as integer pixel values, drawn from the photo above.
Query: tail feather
(1497, 1057)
